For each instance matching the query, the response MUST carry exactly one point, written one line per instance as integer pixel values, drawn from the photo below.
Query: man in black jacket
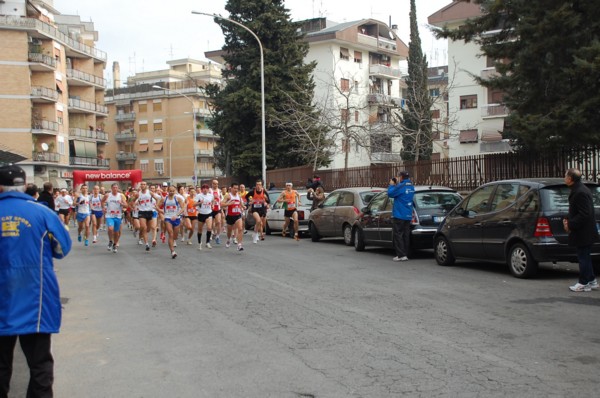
(581, 226)
(46, 196)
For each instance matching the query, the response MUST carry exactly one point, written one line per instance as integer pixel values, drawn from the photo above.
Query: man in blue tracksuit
(402, 191)
(30, 236)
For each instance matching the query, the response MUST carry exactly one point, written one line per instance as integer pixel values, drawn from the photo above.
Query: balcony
(205, 153)
(494, 110)
(41, 63)
(488, 73)
(78, 78)
(44, 127)
(382, 99)
(385, 71)
(205, 133)
(80, 106)
(123, 156)
(125, 136)
(51, 157)
(93, 135)
(125, 117)
(43, 95)
(385, 157)
(42, 29)
(89, 162)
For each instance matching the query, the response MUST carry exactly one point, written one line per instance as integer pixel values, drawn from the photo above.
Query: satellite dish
(44, 147)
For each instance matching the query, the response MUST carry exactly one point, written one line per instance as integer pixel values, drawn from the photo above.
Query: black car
(431, 204)
(519, 222)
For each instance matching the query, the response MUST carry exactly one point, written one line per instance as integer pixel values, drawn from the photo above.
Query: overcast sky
(143, 34)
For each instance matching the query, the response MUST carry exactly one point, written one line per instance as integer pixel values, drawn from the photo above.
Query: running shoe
(240, 247)
(79, 238)
(296, 237)
(235, 240)
(162, 237)
(183, 238)
(153, 243)
(208, 246)
(140, 242)
(578, 287)
(147, 247)
(174, 243)
(135, 233)
(173, 254)
(110, 246)
(228, 243)
(218, 240)
(403, 258)
(87, 242)
(114, 249)
(199, 246)
(593, 284)
(189, 242)
(95, 239)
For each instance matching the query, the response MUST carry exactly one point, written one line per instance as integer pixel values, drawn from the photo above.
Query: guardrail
(45, 125)
(86, 77)
(91, 134)
(86, 105)
(45, 92)
(45, 157)
(42, 59)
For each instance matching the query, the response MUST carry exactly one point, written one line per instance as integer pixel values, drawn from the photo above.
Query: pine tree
(237, 106)
(416, 125)
(547, 54)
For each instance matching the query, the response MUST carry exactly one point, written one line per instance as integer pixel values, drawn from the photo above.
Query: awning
(8, 155)
(468, 136)
(157, 146)
(491, 136)
(60, 87)
(39, 181)
(143, 148)
(357, 56)
(59, 183)
(344, 52)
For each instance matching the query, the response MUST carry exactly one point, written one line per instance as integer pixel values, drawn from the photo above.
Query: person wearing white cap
(30, 311)
(64, 201)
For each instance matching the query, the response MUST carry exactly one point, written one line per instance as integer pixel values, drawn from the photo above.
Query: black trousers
(401, 238)
(36, 348)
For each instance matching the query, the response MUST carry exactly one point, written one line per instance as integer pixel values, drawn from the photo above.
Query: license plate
(438, 219)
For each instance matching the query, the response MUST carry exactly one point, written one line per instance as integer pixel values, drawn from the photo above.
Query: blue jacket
(403, 194)
(30, 235)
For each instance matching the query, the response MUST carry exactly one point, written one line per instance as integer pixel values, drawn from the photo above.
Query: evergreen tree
(416, 124)
(547, 54)
(237, 106)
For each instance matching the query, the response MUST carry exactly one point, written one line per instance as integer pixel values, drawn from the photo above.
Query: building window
(345, 85)
(143, 128)
(61, 145)
(345, 115)
(435, 114)
(144, 165)
(358, 57)
(157, 106)
(157, 145)
(434, 92)
(143, 108)
(356, 116)
(158, 127)
(59, 117)
(344, 54)
(468, 101)
(159, 166)
(468, 136)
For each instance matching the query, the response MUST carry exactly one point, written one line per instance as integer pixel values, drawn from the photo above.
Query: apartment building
(358, 76)
(437, 84)
(159, 120)
(51, 91)
(477, 114)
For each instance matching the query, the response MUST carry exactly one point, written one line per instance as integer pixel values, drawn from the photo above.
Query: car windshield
(366, 196)
(436, 200)
(557, 197)
(304, 201)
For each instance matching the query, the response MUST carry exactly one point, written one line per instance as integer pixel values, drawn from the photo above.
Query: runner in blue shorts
(172, 207)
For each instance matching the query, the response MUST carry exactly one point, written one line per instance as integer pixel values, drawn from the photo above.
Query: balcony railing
(488, 73)
(91, 162)
(205, 153)
(44, 93)
(205, 133)
(44, 127)
(14, 22)
(121, 156)
(45, 157)
(382, 70)
(382, 99)
(125, 117)
(86, 77)
(75, 103)
(90, 134)
(494, 110)
(42, 59)
(125, 136)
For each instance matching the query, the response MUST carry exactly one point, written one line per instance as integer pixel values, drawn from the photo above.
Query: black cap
(12, 175)
(405, 174)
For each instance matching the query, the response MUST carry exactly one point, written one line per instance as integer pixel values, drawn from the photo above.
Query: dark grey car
(518, 222)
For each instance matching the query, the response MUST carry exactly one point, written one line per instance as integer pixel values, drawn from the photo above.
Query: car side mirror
(365, 210)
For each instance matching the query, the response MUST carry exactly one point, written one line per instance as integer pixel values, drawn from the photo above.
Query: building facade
(159, 121)
(477, 114)
(51, 91)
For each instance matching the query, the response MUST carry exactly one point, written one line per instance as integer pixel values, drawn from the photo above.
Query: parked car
(431, 204)
(273, 195)
(276, 219)
(338, 212)
(518, 222)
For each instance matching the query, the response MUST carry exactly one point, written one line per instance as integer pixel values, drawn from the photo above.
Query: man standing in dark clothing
(46, 197)
(402, 191)
(581, 226)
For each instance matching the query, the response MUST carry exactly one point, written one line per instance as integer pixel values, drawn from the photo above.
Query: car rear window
(557, 197)
(436, 200)
(304, 201)
(366, 196)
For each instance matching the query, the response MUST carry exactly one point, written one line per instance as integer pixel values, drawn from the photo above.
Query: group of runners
(207, 211)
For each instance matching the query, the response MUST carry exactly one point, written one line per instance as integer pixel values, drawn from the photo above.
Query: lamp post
(262, 86)
(171, 157)
(194, 127)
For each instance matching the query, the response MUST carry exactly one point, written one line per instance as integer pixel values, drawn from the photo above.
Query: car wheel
(314, 235)
(443, 253)
(348, 237)
(520, 261)
(359, 240)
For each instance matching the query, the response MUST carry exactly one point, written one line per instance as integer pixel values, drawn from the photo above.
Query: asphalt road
(304, 319)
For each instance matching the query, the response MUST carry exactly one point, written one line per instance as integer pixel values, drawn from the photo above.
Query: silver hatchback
(338, 212)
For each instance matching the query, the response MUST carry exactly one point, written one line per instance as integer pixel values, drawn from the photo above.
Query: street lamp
(194, 127)
(262, 86)
(171, 157)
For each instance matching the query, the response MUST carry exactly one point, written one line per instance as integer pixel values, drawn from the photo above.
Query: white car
(276, 219)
